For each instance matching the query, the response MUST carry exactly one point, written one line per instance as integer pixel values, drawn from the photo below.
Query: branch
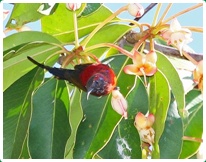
(131, 38)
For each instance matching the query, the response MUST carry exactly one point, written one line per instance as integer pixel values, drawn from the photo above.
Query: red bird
(96, 79)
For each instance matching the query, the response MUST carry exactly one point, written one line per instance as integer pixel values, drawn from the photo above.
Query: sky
(185, 20)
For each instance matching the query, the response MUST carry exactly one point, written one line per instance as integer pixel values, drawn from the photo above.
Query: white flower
(119, 103)
(176, 35)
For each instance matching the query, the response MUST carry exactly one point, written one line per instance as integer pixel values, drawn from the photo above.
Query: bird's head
(98, 85)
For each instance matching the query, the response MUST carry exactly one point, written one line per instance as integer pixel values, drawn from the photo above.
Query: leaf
(17, 113)
(165, 66)
(170, 143)
(23, 13)
(61, 24)
(17, 66)
(25, 150)
(49, 128)
(124, 143)
(90, 8)
(194, 124)
(17, 40)
(75, 117)
(159, 99)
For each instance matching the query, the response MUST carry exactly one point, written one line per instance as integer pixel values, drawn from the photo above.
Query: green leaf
(170, 143)
(49, 128)
(121, 145)
(23, 13)
(90, 8)
(194, 124)
(61, 24)
(165, 66)
(75, 117)
(25, 150)
(159, 95)
(17, 40)
(17, 112)
(17, 66)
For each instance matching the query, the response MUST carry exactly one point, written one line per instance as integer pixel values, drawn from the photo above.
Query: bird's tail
(59, 73)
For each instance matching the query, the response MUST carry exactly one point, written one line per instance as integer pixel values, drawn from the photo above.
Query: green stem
(182, 12)
(85, 42)
(156, 14)
(75, 30)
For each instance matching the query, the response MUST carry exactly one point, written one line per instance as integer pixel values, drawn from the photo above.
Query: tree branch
(130, 39)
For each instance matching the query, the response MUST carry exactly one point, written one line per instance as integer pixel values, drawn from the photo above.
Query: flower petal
(140, 121)
(150, 69)
(137, 58)
(132, 70)
(175, 25)
(151, 57)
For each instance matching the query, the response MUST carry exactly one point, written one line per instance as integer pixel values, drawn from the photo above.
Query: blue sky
(193, 18)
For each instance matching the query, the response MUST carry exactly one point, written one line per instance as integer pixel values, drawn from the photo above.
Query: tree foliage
(46, 118)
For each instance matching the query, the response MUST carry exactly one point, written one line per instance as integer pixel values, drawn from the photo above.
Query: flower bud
(135, 9)
(119, 103)
(73, 6)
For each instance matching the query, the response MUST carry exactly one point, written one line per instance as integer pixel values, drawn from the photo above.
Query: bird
(94, 78)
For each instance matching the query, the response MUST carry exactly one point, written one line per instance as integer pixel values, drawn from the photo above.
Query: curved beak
(89, 91)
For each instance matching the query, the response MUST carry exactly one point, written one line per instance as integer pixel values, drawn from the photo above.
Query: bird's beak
(88, 92)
